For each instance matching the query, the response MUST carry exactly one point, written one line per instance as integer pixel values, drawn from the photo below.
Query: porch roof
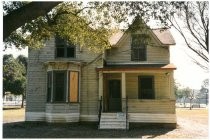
(134, 67)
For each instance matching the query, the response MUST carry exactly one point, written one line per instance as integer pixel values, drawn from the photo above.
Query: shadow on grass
(77, 130)
(11, 108)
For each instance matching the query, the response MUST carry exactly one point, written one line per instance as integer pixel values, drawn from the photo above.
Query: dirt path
(13, 115)
(191, 124)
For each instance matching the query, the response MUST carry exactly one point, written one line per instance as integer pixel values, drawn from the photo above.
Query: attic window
(138, 48)
(64, 49)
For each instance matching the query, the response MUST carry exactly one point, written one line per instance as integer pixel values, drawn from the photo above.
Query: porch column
(100, 85)
(123, 86)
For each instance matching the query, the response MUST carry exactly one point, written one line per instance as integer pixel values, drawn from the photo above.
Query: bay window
(62, 86)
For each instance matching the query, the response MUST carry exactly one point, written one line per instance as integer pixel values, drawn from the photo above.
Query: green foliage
(14, 75)
(90, 24)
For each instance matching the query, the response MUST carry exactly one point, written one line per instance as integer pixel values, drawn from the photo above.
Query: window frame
(65, 45)
(51, 94)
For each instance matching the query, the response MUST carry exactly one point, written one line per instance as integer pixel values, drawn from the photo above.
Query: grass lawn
(191, 124)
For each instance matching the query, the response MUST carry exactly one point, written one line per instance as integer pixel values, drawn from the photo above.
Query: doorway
(114, 96)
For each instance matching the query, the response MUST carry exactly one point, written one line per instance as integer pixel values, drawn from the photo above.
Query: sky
(188, 74)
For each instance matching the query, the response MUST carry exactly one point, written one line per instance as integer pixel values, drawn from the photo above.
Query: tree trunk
(19, 17)
(22, 104)
(184, 101)
(190, 104)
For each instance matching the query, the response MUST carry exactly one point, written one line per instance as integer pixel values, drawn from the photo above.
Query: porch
(150, 95)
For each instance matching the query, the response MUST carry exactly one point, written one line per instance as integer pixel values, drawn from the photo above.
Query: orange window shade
(73, 90)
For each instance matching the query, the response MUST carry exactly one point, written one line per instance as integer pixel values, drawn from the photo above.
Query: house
(130, 83)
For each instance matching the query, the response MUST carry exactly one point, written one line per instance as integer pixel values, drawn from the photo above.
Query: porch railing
(100, 110)
(126, 111)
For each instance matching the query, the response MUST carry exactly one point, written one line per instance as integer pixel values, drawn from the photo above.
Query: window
(62, 86)
(64, 49)
(59, 84)
(49, 86)
(146, 87)
(138, 48)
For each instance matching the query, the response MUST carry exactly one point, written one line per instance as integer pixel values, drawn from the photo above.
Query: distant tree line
(14, 75)
(191, 95)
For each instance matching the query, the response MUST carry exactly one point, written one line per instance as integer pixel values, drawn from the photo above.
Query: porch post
(123, 86)
(100, 85)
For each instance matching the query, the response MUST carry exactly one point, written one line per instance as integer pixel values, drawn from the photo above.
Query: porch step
(113, 121)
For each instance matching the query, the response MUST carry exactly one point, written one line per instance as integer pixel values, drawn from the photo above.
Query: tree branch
(178, 28)
(189, 27)
(25, 14)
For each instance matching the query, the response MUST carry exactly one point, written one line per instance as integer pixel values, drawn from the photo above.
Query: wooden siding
(161, 85)
(151, 106)
(152, 118)
(62, 112)
(122, 53)
(34, 116)
(37, 79)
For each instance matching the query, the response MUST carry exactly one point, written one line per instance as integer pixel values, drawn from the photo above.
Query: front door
(114, 97)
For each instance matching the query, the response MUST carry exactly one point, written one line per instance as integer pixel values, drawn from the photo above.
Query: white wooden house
(130, 83)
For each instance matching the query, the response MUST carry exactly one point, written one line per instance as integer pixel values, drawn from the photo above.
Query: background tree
(23, 60)
(204, 91)
(14, 76)
(190, 95)
(185, 93)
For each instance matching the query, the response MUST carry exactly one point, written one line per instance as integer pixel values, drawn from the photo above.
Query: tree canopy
(90, 24)
(14, 75)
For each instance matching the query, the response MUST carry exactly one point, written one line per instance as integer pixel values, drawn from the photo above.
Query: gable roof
(165, 36)
(116, 37)
(162, 34)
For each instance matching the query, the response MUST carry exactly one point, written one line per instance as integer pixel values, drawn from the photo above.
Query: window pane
(74, 85)
(49, 86)
(146, 87)
(70, 52)
(59, 86)
(60, 52)
(138, 48)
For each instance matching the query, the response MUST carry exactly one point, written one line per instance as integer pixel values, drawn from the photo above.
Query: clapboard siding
(62, 112)
(89, 86)
(34, 116)
(151, 118)
(122, 53)
(62, 108)
(37, 81)
(161, 85)
(62, 117)
(151, 106)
